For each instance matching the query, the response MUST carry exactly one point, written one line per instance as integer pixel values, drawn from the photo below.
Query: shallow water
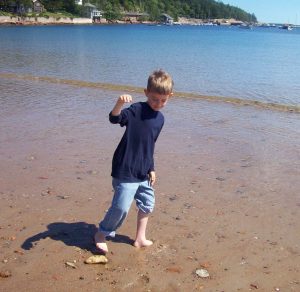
(36, 108)
(259, 65)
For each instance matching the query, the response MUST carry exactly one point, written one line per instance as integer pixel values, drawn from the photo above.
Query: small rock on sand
(96, 259)
(5, 274)
(71, 265)
(202, 273)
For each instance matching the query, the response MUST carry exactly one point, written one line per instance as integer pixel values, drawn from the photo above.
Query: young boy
(133, 172)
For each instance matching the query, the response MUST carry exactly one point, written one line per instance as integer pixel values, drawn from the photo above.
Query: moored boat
(286, 26)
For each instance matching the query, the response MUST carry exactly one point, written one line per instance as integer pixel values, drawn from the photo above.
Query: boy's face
(156, 100)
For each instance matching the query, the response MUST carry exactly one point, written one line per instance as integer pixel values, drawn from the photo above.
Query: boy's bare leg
(140, 240)
(100, 242)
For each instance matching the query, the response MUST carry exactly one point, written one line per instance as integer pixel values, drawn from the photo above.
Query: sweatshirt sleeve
(122, 118)
(152, 166)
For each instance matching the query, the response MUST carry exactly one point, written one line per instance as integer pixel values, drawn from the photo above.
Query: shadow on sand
(78, 234)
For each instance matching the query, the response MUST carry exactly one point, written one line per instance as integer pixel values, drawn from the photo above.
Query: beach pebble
(173, 198)
(70, 264)
(96, 259)
(174, 269)
(5, 274)
(92, 172)
(30, 158)
(62, 197)
(46, 192)
(202, 273)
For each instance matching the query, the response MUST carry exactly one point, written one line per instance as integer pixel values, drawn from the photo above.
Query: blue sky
(277, 11)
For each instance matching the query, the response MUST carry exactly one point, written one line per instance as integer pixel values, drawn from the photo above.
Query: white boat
(246, 26)
(267, 25)
(286, 26)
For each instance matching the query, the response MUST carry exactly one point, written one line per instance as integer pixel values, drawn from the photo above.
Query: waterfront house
(96, 15)
(91, 11)
(38, 7)
(167, 19)
(19, 8)
(134, 17)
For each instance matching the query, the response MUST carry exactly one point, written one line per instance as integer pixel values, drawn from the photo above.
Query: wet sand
(227, 195)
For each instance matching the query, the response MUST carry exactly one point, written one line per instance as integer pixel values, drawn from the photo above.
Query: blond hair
(160, 82)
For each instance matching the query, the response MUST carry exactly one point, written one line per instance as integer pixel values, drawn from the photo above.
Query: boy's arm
(125, 98)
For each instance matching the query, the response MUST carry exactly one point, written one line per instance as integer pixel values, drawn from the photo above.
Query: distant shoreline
(18, 20)
(15, 20)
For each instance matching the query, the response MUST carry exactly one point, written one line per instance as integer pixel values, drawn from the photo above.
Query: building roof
(167, 16)
(89, 5)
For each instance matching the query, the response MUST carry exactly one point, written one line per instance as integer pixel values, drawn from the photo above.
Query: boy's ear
(146, 92)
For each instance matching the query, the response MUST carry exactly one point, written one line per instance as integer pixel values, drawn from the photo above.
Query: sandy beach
(227, 195)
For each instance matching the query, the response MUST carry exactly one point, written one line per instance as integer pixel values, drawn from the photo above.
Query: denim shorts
(124, 194)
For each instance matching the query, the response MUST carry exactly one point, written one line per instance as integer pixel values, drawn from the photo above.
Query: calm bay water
(259, 64)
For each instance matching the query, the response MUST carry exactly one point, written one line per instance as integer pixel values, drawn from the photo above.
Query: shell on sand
(202, 273)
(96, 259)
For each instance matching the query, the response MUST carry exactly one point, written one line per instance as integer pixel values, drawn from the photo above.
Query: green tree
(113, 8)
(17, 5)
(53, 5)
(70, 6)
(111, 11)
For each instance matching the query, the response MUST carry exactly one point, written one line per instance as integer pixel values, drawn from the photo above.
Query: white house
(167, 19)
(91, 11)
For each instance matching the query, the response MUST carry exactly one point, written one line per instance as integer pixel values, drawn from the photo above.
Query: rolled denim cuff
(107, 233)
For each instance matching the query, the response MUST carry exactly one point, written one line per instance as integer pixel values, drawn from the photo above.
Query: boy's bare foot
(142, 243)
(100, 242)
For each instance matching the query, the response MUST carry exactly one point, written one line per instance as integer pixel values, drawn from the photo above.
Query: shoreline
(15, 20)
(28, 21)
(18, 20)
(117, 87)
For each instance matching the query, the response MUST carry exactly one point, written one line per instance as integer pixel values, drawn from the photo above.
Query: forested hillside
(204, 9)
